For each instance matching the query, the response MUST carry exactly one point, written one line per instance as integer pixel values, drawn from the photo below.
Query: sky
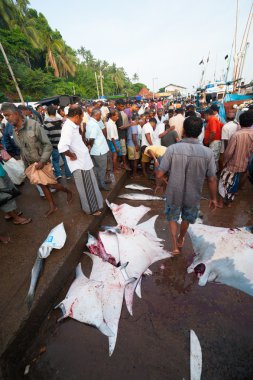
(163, 39)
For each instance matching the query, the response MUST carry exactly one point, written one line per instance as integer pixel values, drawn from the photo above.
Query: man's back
(53, 126)
(188, 163)
(170, 138)
(213, 126)
(177, 122)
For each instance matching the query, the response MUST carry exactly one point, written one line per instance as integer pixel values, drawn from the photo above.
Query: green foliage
(44, 65)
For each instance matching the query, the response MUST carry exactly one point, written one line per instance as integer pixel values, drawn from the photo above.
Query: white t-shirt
(94, 131)
(160, 128)
(72, 140)
(112, 131)
(227, 132)
(147, 128)
(104, 112)
(177, 122)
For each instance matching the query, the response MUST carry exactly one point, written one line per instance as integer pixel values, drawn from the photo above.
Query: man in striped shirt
(236, 158)
(53, 127)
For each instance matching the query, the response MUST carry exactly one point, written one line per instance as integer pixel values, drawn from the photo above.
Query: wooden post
(97, 83)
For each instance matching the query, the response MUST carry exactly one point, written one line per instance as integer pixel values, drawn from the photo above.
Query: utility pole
(12, 74)
(96, 78)
(153, 79)
(101, 83)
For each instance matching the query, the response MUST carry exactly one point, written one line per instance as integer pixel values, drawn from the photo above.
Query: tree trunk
(53, 63)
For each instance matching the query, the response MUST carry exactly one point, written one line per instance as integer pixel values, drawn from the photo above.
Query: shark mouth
(200, 270)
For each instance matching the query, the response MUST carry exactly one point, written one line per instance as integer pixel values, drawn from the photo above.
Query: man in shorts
(133, 148)
(122, 125)
(187, 163)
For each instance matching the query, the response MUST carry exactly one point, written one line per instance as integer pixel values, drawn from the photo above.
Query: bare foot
(9, 217)
(21, 220)
(51, 211)
(4, 239)
(175, 252)
(180, 242)
(97, 213)
(69, 196)
(220, 204)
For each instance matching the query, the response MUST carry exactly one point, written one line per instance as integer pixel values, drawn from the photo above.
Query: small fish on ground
(134, 186)
(195, 357)
(140, 197)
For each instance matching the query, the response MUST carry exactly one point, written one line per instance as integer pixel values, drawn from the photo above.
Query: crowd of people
(166, 141)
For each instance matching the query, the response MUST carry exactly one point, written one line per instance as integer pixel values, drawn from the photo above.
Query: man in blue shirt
(99, 147)
(9, 143)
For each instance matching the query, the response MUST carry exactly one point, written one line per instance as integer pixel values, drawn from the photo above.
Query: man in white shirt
(99, 147)
(148, 132)
(160, 127)
(147, 139)
(80, 162)
(177, 121)
(229, 129)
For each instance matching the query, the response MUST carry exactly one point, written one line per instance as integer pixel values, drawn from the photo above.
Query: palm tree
(118, 76)
(135, 77)
(7, 12)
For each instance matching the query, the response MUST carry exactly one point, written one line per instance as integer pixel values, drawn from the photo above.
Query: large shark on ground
(223, 255)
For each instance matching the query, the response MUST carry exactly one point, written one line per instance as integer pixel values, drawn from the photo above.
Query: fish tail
(29, 299)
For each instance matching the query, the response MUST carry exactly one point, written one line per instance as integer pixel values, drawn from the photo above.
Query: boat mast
(235, 46)
(240, 56)
(245, 43)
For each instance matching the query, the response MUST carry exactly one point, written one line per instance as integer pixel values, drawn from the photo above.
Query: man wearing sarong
(236, 159)
(80, 163)
(36, 149)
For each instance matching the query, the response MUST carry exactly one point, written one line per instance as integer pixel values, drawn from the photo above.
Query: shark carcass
(223, 255)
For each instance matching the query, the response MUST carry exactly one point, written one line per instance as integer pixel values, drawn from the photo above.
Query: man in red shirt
(212, 137)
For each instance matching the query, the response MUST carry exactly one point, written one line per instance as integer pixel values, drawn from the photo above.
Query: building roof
(175, 85)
